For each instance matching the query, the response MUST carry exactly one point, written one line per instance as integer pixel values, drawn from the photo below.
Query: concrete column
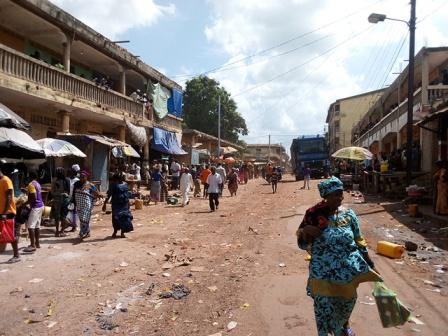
(122, 83)
(122, 133)
(65, 122)
(67, 53)
(146, 152)
(425, 79)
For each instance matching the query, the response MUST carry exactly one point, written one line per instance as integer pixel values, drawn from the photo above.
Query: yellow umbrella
(353, 153)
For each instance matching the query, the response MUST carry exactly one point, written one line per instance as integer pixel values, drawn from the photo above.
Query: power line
(432, 12)
(279, 44)
(302, 64)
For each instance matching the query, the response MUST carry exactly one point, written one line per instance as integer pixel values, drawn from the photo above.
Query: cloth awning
(433, 116)
(138, 134)
(125, 148)
(174, 103)
(166, 142)
(124, 151)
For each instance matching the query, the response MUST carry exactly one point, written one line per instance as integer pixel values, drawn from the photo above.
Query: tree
(201, 109)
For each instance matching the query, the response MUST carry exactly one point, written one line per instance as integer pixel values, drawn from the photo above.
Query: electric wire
(279, 44)
(295, 68)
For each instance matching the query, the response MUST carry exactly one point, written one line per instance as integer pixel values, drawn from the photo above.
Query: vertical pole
(269, 148)
(410, 118)
(219, 126)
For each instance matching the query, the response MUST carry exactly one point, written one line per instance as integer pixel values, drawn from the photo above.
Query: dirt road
(240, 263)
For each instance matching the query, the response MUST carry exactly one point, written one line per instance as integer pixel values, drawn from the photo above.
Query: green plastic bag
(392, 312)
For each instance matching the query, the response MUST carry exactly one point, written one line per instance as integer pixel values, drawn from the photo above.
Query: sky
(284, 62)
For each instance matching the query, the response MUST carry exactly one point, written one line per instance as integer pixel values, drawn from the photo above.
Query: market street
(241, 264)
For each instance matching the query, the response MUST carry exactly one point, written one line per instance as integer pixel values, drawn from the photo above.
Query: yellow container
(138, 204)
(413, 210)
(390, 250)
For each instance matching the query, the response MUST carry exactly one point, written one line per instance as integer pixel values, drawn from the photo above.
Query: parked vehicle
(312, 152)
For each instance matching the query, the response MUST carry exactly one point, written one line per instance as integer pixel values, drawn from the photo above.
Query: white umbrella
(59, 148)
(12, 120)
(16, 144)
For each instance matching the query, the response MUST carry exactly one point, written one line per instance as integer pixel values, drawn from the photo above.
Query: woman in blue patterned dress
(339, 259)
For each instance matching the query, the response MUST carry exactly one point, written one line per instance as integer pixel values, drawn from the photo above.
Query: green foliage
(201, 109)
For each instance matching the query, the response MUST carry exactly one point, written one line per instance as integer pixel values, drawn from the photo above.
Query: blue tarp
(175, 103)
(166, 142)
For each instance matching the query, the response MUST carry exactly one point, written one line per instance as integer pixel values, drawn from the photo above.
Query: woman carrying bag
(339, 259)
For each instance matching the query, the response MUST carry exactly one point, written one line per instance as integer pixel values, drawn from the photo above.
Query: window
(337, 126)
(337, 108)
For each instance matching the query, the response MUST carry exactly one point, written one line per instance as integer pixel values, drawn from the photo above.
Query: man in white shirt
(214, 182)
(186, 184)
(222, 172)
(175, 173)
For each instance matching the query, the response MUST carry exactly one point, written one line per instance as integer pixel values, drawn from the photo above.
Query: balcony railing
(437, 92)
(27, 68)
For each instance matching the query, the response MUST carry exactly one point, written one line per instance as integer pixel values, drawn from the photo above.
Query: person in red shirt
(8, 211)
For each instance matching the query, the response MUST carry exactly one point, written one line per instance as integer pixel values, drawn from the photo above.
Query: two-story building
(264, 153)
(383, 128)
(344, 113)
(63, 77)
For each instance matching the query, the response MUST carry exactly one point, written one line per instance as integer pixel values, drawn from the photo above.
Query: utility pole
(410, 119)
(219, 126)
(269, 148)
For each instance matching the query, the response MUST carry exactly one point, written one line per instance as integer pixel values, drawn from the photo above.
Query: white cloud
(114, 17)
(297, 102)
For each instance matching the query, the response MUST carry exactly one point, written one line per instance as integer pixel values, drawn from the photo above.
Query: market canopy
(353, 153)
(83, 139)
(166, 142)
(16, 144)
(59, 148)
(10, 119)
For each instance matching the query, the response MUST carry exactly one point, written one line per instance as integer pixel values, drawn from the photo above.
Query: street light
(375, 18)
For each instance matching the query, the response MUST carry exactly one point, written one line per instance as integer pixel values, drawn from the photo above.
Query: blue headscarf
(328, 186)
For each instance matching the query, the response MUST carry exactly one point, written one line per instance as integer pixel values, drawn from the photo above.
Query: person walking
(440, 179)
(204, 176)
(84, 194)
(222, 172)
(195, 173)
(306, 177)
(121, 213)
(8, 212)
(35, 217)
(156, 178)
(213, 186)
(72, 213)
(60, 190)
(274, 180)
(175, 174)
(339, 259)
(233, 181)
(186, 184)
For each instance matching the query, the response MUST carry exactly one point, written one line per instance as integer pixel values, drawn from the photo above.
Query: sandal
(13, 260)
(29, 249)
(348, 332)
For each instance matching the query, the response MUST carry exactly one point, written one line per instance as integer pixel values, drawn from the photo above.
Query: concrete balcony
(38, 73)
(437, 92)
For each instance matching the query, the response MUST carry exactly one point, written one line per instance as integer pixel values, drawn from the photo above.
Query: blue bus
(312, 152)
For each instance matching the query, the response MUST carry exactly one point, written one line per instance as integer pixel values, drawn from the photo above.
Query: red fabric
(6, 230)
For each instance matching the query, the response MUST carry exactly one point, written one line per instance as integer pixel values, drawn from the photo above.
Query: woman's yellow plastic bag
(392, 312)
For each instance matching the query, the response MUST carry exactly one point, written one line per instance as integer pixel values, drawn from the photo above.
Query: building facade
(383, 128)
(264, 153)
(344, 113)
(63, 77)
